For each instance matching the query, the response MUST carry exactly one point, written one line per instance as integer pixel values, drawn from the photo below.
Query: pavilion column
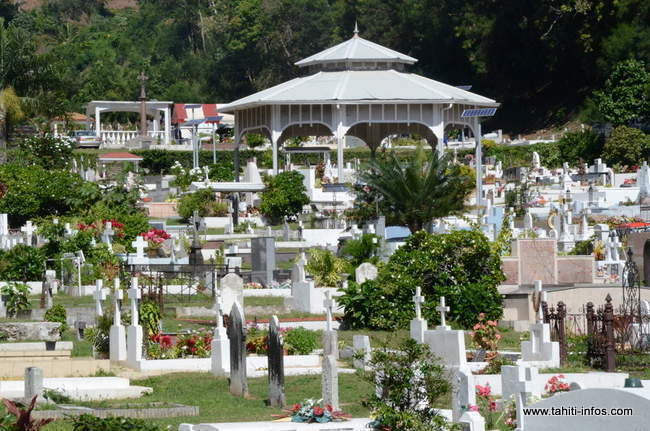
(168, 125)
(438, 130)
(340, 140)
(274, 145)
(98, 122)
(276, 132)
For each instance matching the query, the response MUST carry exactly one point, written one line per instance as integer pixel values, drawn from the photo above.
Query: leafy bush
(325, 267)
(494, 366)
(205, 202)
(23, 417)
(16, 298)
(47, 151)
(461, 266)
(301, 341)
(57, 314)
(626, 146)
(284, 196)
(361, 250)
(150, 317)
(584, 145)
(22, 263)
(407, 380)
(222, 171)
(87, 422)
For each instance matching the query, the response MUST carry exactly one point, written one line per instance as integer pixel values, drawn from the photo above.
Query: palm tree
(418, 189)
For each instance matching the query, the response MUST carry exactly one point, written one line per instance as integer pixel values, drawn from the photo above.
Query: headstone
(100, 295)
(418, 325)
(298, 272)
(139, 244)
(512, 374)
(276, 364)
(33, 383)
(330, 385)
(232, 290)
(528, 221)
(463, 391)
(107, 235)
(472, 421)
(536, 161)
(330, 336)
(220, 347)
(523, 390)
(361, 345)
(49, 287)
(365, 271)
(263, 260)
(28, 230)
(117, 336)
(446, 344)
(443, 309)
(237, 335)
(540, 348)
(135, 336)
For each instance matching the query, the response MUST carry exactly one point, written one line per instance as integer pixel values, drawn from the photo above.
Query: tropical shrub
(407, 380)
(22, 263)
(300, 341)
(150, 317)
(23, 417)
(87, 422)
(185, 176)
(461, 266)
(325, 267)
(204, 201)
(626, 146)
(15, 298)
(364, 249)
(284, 197)
(47, 151)
(579, 146)
(57, 314)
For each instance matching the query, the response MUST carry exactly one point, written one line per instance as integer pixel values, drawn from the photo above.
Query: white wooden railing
(120, 138)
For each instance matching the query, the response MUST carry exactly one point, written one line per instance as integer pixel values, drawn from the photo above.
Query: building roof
(357, 50)
(360, 86)
(119, 157)
(74, 117)
(186, 113)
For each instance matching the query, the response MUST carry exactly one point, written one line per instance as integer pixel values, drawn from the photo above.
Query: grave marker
(139, 244)
(330, 382)
(442, 309)
(100, 295)
(361, 345)
(276, 364)
(28, 230)
(134, 331)
(107, 235)
(237, 335)
(330, 337)
(220, 347)
(365, 271)
(418, 325)
(232, 290)
(117, 336)
(33, 383)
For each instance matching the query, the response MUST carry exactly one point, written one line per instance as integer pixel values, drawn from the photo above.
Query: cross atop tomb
(117, 297)
(29, 230)
(537, 301)
(107, 235)
(329, 307)
(100, 295)
(419, 300)
(139, 244)
(523, 389)
(218, 311)
(143, 79)
(442, 309)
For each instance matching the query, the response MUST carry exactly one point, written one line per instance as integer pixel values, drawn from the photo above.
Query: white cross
(523, 388)
(419, 300)
(218, 310)
(443, 310)
(99, 297)
(29, 230)
(134, 295)
(117, 296)
(139, 244)
(329, 305)
(108, 233)
(538, 295)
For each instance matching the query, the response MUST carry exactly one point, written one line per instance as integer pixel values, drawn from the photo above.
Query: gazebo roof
(357, 50)
(360, 86)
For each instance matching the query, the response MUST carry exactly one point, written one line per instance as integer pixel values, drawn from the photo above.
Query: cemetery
(351, 252)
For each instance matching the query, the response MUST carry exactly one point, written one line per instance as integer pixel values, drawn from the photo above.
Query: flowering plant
(253, 285)
(155, 238)
(161, 346)
(196, 343)
(555, 385)
(485, 335)
(185, 177)
(97, 228)
(486, 405)
(313, 411)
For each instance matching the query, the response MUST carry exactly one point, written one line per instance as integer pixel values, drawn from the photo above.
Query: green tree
(581, 146)
(284, 197)
(419, 189)
(626, 146)
(626, 96)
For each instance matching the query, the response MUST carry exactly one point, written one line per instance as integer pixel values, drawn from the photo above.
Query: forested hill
(542, 59)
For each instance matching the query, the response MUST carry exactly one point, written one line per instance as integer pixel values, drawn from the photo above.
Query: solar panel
(192, 106)
(214, 118)
(464, 87)
(193, 122)
(482, 112)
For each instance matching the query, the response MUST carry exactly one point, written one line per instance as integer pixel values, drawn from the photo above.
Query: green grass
(263, 301)
(217, 405)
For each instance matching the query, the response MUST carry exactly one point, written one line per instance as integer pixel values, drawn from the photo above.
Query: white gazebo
(119, 138)
(356, 88)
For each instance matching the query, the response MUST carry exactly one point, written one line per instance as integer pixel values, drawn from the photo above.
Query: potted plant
(155, 239)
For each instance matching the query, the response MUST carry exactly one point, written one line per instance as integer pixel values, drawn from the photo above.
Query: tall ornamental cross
(29, 230)
(99, 297)
(143, 79)
(134, 295)
(442, 309)
(218, 310)
(329, 306)
(139, 244)
(419, 300)
(117, 297)
(107, 235)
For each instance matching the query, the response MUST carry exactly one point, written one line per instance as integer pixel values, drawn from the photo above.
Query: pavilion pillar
(276, 132)
(274, 144)
(98, 122)
(168, 125)
(340, 140)
(479, 162)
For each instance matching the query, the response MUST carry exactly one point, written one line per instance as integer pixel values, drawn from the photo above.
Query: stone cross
(419, 300)
(328, 303)
(139, 244)
(99, 297)
(442, 309)
(276, 364)
(134, 296)
(537, 301)
(143, 79)
(330, 382)
(522, 390)
(237, 334)
(28, 230)
(108, 233)
(218, 311)
(118, 295)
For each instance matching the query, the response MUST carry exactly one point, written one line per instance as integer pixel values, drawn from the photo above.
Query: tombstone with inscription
(330, 336)
(237, 336)
(330, 382)
(365, 271)
(263, 260)
(232, 290)
(418, 325)
(276, 364)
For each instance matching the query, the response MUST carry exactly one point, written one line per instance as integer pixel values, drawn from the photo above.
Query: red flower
(166, 341)
(329, 407)
(318, 411)
(295, 408)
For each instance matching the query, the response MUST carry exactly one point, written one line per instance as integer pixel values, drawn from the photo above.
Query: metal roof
(357, 50)
(359, 86)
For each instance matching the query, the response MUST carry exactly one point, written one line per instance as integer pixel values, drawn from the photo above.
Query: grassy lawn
(264, 301)
(217, 405)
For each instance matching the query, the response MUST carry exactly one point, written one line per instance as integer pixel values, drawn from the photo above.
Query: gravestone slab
(263, 260)
(276, 364)
(361, 344)
(33, 383)
(330, 382)
(237, 335)
(232, 290)
(365, 271)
